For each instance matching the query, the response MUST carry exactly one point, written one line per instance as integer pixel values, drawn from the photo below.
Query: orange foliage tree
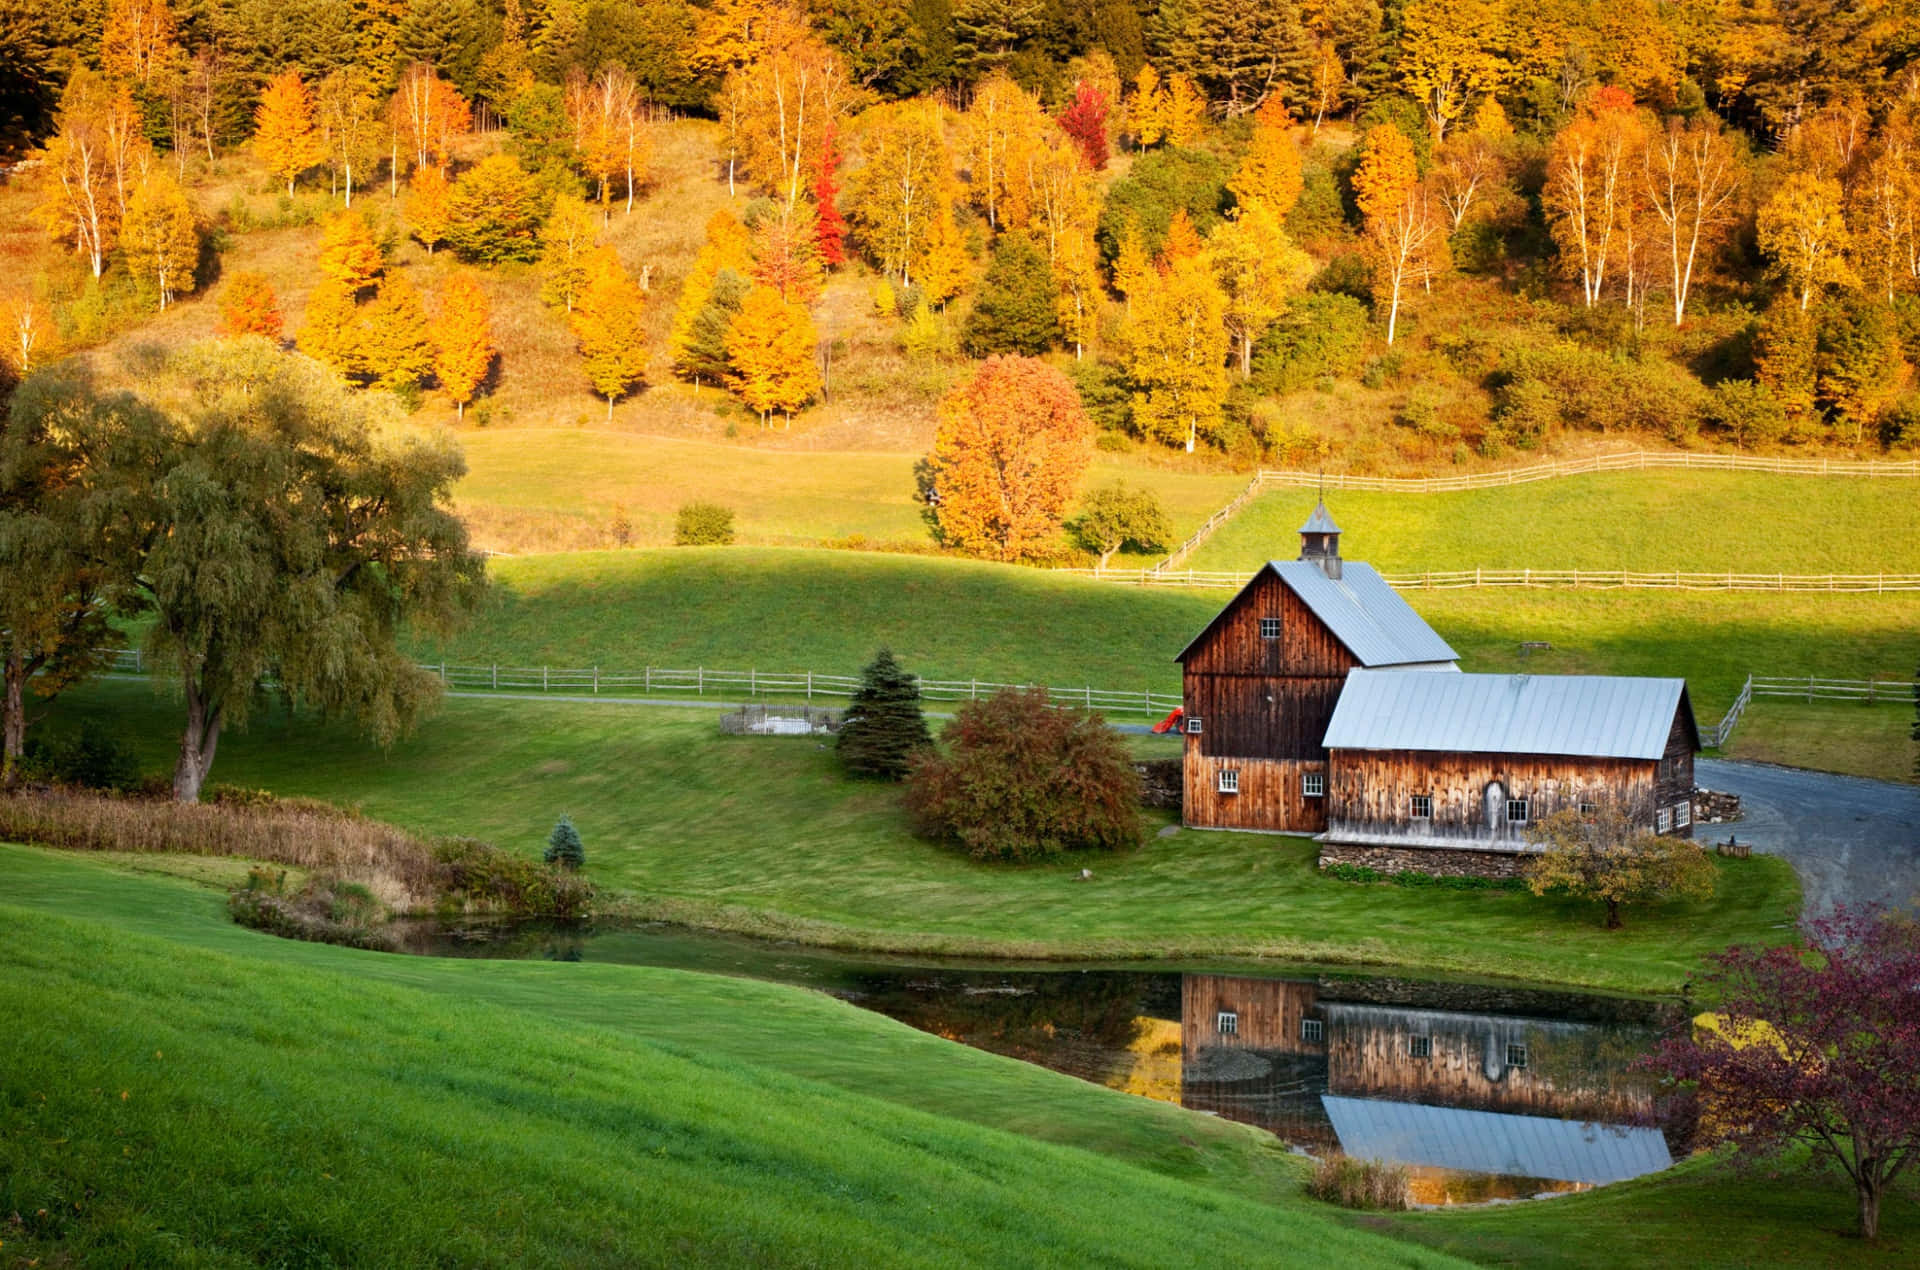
(248, 306)
(462, 336)
(90, 166)
(1008, 453)
(606, 322)
(284, 136)
(425, 116)
(428, 209)
(771, 347)
(137, 40)
(1271, 171)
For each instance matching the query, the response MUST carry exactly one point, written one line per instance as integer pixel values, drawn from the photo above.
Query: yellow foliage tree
(1004, 129)
(393, 348)
(138, 39)
(89, 164)
(160, 238)
(1592, 168)
(606, 322)
(462, 337)
(1177, 350)
(348, 255)
(1451, 51)
(945, 267)
(728, 246)
(284, 136)
(1077, 290)
(1270, 172)
(907, 178)
(425, 117)
(771, 345)
(1803, 228)
(1132, 265)
(1403, 229)
(566, 246)
(1260, 270)
(330, 331)
(1185, 118)
(428, 210)
(1147, 108)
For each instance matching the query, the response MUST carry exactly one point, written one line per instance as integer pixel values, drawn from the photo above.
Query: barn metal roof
(1321, 522)
(1363, 612)
(1592, 716)
(1495, 1142)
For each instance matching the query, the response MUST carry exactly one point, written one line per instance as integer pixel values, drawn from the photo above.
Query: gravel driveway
(1851, 840)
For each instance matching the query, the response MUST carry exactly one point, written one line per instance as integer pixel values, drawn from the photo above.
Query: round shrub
(703, 525)
(1023, 778)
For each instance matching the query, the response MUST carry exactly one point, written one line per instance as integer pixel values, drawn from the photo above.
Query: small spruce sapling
(564, 847)
(884, 728)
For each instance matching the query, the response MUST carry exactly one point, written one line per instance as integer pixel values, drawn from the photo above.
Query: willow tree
(294, 547)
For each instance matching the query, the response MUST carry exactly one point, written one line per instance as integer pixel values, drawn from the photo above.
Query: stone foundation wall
(1438, 861)
(1711, 807)
(1160, 783)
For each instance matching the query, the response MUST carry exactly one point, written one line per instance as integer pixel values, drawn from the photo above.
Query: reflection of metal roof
(1494, 1142)
(1593, 716)
(1362, 611)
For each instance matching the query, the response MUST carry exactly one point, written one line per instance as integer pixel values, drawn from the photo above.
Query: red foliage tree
(249, 307)
(1815, 1047)
(830, 227)
(1086, 122)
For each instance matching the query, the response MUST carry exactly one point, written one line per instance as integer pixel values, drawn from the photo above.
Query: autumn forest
(1385, 237)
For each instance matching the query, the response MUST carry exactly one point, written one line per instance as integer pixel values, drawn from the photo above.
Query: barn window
(1419, 1047)
(1422, 808)
(1587, 807)
(1516, 1056)
(1269, 628)
(1227, 1023)
(1516, 811)
(1662, 820)
(1229, 782)
(1313, 1031)
(1313, 784)
(1682, 815)
(1193, 725)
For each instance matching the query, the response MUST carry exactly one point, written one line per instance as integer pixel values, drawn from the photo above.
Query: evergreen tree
(1015, 312)
(564, 848)
(884, 727)
(702, 355)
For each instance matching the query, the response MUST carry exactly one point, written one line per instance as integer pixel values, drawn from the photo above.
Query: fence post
(1810, 677)
(700, 680)
(809, 685)
(543, 678)
(596, 681)
(496, 676)
(973, 691)
(137, 667)
(443, 673)
(753, 682)
(646, 680)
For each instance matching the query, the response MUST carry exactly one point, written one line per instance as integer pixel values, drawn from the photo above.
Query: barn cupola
(1320, 541)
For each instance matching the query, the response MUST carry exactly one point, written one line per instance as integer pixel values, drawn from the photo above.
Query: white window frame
(1420, 1046)
(1313, 784)
(1227, 1022)
(1228, 781)
(1683, 813)
(1313, 1031)
(1516, 1054)
(1588, 807)
(1269, 628)
(1420, 806)
(1662, 820)
(1193, 725)
(1526, 811)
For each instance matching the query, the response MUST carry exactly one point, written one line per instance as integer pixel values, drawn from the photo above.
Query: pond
(1483, 1092)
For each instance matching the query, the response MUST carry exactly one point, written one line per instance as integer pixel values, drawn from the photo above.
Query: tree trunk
(1246, 355)
(1613, 914)
(197, 746)
(1869, 1207)
(15, 719)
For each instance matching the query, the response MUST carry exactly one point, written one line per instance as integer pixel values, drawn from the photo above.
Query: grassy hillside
(765, 835)
(242, 1107)
(1695, 521)
(827, 611)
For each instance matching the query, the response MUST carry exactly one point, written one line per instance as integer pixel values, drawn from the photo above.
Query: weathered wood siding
(1263, 706)
(1270, 796)
(1370, 1054)
(1269, 1013)
(1673, 784)
(1371, 792)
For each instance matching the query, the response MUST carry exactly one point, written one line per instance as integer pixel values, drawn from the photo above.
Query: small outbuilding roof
(1363, 612)
(1495, 1142)
(1321, 522)
(1590, 716)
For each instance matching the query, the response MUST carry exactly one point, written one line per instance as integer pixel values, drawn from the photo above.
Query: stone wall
(1711, 807)
(1160, 783)
(1438, 861)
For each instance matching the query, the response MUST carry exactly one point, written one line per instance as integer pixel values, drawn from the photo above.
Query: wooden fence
(1593, 579)
(1875, 691)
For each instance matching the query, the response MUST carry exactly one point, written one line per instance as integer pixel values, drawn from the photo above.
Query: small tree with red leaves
(830, 228)
(1814, 1047)
(249, 307)
(1086, 122)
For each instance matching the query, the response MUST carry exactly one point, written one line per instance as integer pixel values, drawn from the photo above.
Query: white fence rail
(1632, 461)
(1592, 579)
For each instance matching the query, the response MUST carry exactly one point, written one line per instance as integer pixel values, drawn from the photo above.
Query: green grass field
(1694, 521)
(297, 1102)
(559, 488)
(763, 835)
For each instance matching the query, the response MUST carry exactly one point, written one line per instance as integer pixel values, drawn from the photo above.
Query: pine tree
(564, 848)
(160, 238)
(606, 322)
(393, 349)
(884, 727)
(284, 136)
(702, 355)
(462, 340)
(728, 247)
(772, 348)
(428, 211)
(566, 245)
(248, 306)
(1015, 311)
